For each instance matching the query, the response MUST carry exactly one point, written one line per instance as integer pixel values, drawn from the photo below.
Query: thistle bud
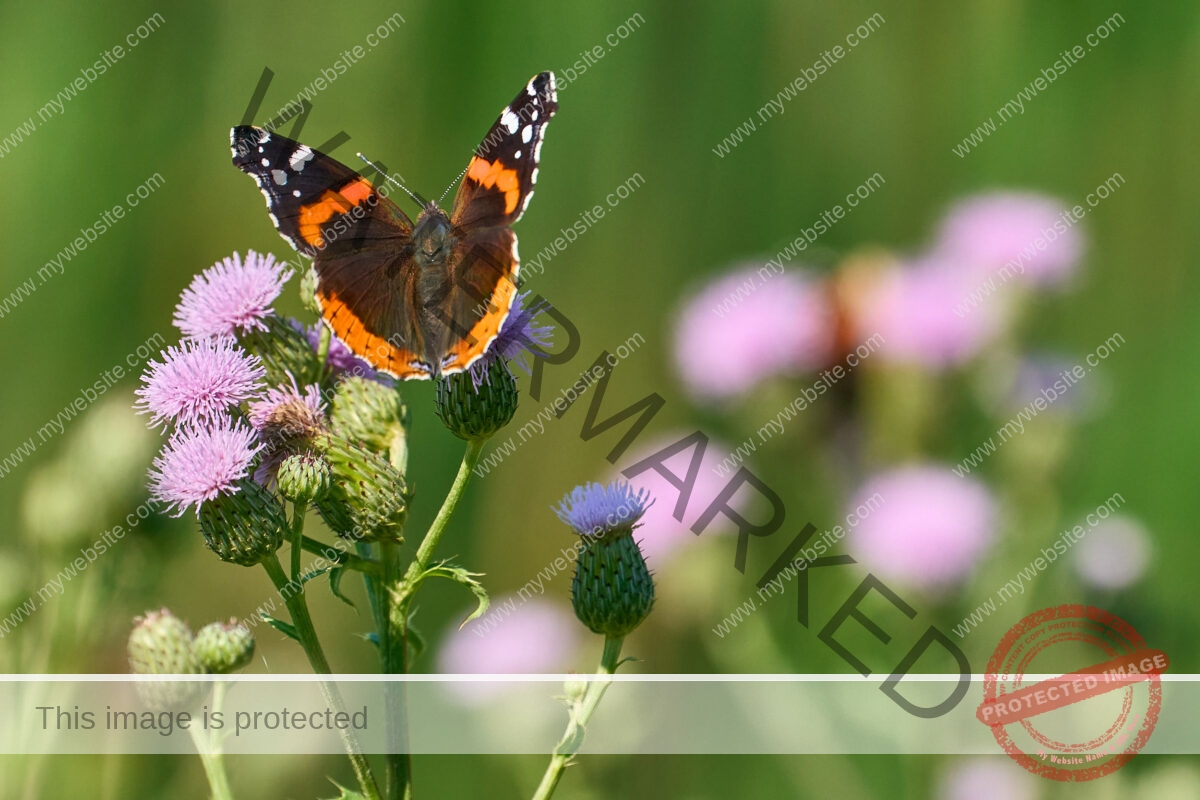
(308, 291)
(304, 477)
(612, 591)
(368, 499)
(474, 406)
(373, 415)
(161, 644)
(284, 351)
(243, 527)
(223, 647)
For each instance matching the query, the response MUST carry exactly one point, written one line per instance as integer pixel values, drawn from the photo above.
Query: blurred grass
(656, 104)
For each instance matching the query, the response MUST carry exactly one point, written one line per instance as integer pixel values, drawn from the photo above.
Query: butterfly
(416, 300)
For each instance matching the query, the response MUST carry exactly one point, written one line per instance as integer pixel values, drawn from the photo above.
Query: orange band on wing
(390, 357)
(312, 216)
(484, 331)
(492, 174)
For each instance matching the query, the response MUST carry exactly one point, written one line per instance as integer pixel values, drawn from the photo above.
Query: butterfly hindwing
(500, 177)
(482, 286)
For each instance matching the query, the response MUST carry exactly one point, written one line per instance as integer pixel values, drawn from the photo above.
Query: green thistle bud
(368, 499)
(223, 647)
(304, 477)
(472, 410)
(373, 415)
(284, 351)
(243, 527)
(612, 591)
(308, 291)
(161, 644)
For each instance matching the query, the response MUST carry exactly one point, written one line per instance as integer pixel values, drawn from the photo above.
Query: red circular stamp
(1072, 693)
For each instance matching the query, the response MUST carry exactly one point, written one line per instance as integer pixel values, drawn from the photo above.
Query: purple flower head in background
(198, 381)
(594, 508)
(231, 296)
(341, 359)
(922, 525)
(200, 463)
(982, 234)
(917, 310)
(749, 326)
(519, 334)
(660, 533)
(1114, 555)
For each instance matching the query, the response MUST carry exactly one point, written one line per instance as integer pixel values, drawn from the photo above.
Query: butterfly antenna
(453, 183)
(416, 197)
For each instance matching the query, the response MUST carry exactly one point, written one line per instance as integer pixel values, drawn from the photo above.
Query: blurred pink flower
(660, 534)
(928, 527)
(746, 327)
(1113, 555)
(917, 311)
(984, 232)
(986, 778)
(535, 637)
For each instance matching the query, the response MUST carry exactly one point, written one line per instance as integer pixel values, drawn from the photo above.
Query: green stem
(325, 337)
(393, 654)
(299, 509)
(208, 746)
(581, 713)
(364, 564)
(434, 535)
(293, 596)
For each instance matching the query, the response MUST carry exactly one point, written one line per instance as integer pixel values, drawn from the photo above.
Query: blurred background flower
(1114, 555)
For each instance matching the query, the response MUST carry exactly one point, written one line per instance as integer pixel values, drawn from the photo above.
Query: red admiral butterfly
(415, 300)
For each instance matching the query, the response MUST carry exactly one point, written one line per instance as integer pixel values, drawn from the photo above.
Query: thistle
(223, 647)
(161, 644)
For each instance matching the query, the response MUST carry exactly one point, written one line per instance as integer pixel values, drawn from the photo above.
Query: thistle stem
(299, 509)
(214, 764)
(580, 714)
(434, 535)
(293, 595)
(397, 599)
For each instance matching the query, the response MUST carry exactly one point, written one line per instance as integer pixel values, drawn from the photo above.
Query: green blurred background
(655, 104)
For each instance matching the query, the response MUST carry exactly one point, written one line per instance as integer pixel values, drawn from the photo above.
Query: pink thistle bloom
(284, 411)
(727, 341)
(927, 528)
(537, 637)
(985, 232)
(916, 310)
(199, 464)
(660, 535)
(231, 296)
(518, 335)
(987, 778)
(198, 381)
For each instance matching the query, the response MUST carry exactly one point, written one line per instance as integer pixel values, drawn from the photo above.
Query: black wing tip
(244, 140)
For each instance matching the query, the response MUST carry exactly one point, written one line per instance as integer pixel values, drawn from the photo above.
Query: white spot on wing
(301, 157)
(527, 133)
(266, 162)
(279, 176)
(295, 192)
(517, 154)
(533, 116)
(509, 120)
(533, 175)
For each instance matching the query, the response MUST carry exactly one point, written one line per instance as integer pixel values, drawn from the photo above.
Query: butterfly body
(414, 299)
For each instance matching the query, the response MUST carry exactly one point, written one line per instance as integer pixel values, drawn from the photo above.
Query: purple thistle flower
(231, 296)
(595, 509)
(341, 359)
(198, 464)
(519, 334)
(198, 381)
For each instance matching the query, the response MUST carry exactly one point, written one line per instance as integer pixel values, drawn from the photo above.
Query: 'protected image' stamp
(1092, 718)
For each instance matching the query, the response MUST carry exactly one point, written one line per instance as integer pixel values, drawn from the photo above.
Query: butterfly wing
(360, 241)
(500, 177)
(473, 303)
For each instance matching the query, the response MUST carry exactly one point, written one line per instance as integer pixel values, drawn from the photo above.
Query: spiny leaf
(346, 794)
(462, 576)
(335, 582)
(286, 628)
